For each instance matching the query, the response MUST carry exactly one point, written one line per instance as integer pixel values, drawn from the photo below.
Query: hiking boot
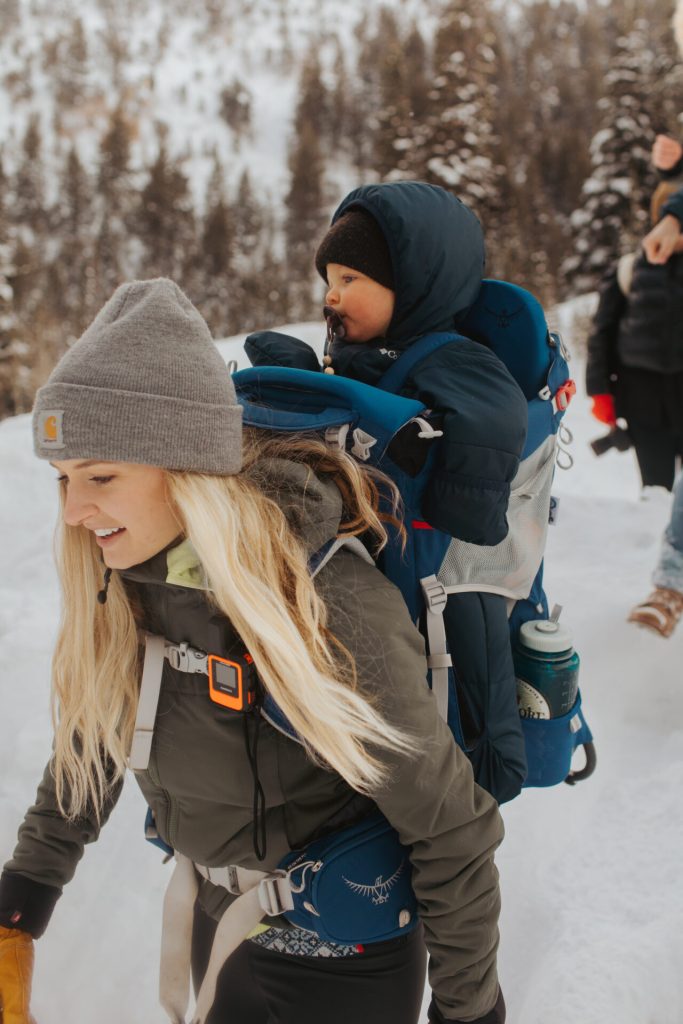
(661, 612)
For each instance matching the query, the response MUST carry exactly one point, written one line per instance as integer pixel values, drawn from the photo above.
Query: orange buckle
(564, 395)
(232, 683)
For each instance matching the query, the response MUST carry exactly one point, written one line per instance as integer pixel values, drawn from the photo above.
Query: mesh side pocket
(509, 568)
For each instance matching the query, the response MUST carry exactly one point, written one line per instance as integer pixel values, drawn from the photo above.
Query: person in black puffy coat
(635, 355)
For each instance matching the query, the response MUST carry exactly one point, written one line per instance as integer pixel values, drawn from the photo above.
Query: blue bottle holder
(550, 745)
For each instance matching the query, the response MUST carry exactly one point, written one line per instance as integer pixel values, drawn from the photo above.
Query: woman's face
(124, 504)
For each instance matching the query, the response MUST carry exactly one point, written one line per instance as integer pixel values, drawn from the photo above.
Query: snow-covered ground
(591, 875)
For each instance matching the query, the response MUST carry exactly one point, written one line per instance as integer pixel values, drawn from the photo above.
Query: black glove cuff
(26, 904)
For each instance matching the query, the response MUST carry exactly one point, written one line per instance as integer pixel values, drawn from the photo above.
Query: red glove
(603, 409)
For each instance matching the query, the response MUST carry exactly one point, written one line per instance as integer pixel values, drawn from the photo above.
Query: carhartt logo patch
(50, 428)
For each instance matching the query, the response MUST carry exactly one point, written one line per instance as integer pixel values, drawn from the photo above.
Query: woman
(177, 526)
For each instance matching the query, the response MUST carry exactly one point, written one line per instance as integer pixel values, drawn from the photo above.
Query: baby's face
(365, 306)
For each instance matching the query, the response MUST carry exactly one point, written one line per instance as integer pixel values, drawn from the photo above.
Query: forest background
(211, 142)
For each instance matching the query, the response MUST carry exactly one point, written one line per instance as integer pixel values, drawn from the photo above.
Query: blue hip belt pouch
(353, 886)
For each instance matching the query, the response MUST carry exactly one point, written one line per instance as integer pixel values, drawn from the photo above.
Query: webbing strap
(176, 940)
(148, 701)
(352, 543)
(261, 894)
(438, 659)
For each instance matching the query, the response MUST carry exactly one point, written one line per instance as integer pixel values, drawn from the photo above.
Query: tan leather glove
(16, 971)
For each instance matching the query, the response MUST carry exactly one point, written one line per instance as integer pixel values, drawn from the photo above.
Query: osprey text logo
(379, 892)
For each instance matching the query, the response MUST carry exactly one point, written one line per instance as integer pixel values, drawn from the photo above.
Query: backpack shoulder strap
(395, 377)
(329, 550)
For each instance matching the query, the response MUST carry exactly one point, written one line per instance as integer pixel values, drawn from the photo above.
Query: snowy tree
(304, 203)
(613, 215)
(165, 220)
(461, 149)
(403, 100)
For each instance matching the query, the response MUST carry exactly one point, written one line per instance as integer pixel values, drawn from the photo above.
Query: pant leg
(656, 454)
(645, 399)
(669, 571)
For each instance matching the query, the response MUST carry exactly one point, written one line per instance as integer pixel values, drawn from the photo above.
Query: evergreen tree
(28, 208)
(248, 219)
(304, 203)
(613, 215)
(461, 149)
(70, 288)
(113, 202)
(404, 87)
(165, 219)
(212, 276)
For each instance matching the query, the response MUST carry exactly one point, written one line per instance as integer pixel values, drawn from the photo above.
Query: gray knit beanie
(145, 383)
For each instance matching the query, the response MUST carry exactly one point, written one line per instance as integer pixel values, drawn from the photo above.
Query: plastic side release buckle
(362, 443)
(275, 894)
(185, 658)
(335, 437)
(564, 395)
(435, 594)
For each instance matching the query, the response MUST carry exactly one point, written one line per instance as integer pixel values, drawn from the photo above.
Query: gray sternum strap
(438, 659)
(261, 894)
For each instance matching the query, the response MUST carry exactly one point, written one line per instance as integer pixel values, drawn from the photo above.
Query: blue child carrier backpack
(366, 420)
(355, 885)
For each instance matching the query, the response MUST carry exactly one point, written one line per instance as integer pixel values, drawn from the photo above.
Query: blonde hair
(257, 571)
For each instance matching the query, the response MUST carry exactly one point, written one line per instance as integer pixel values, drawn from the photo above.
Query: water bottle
(547, 668)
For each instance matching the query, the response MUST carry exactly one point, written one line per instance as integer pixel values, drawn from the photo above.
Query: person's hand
(16, 971)
(660, 243)
(666, 152)
(603, 409)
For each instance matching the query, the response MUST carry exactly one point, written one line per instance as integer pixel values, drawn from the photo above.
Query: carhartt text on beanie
(356, 240)
(145, 383)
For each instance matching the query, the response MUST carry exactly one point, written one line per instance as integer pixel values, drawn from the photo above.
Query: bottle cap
(545, 635)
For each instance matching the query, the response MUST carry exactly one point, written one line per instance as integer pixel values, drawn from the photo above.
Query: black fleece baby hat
(356, 240)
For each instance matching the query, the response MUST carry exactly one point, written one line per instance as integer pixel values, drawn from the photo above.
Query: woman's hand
(16, 971)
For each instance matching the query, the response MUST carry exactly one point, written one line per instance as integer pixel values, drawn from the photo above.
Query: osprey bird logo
(379, 892)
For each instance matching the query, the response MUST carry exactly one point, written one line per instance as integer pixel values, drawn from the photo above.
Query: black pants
(652, 405)
(258, 986)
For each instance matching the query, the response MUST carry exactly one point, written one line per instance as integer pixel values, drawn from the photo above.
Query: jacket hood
(437, 253)
(312, 506)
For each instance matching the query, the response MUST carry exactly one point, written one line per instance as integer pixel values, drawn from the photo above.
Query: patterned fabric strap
(299, 942)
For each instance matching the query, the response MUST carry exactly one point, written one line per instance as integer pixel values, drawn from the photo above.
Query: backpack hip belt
(349, 887)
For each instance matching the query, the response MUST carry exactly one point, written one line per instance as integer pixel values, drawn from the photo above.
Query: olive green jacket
(200, 785)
